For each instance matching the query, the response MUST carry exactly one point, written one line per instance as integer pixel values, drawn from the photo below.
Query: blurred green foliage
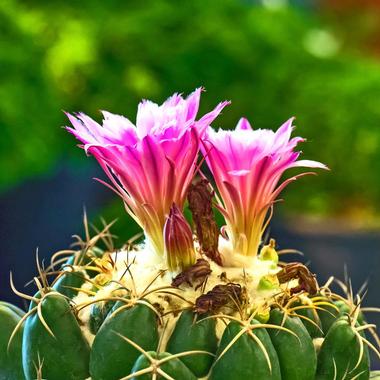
(272, 63)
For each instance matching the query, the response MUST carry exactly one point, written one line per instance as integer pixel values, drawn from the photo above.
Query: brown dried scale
(306, 279)
(200, 204)
(229, 296)
(196, 274)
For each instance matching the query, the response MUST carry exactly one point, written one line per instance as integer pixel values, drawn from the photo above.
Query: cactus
(53, 341)
(185, 303)
(10, 358)
(343, 352)
(136, 336)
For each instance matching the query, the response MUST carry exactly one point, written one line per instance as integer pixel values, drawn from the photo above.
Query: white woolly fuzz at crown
(140, 271)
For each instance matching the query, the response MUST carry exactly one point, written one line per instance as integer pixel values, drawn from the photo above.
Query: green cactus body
(309, 317)
(62, 357)
(330, 314)
(15, 309)
(10, 359)
(289, 346)
(193, 333)
(98, 314)
(125, 335)
(172, 367)
(246, 358)
(74, 272)
(69, 282)
(117, 313)
(340, 353)
(345, 308)
(72, 279)
(112, 357)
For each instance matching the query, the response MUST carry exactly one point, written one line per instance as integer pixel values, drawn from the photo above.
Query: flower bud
(268, 252)
(178, 240)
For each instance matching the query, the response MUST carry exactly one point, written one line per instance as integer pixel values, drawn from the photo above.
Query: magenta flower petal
(247, 166)
(150, 164)
(193, 104)
(243, 124)
(309, 164)
(282, 135)
(120, 129)
(207, 119)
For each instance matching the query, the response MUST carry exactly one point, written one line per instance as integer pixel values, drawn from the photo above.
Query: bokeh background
(316, 60)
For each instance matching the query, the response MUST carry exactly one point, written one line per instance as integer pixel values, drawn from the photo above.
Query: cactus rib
(155, 364)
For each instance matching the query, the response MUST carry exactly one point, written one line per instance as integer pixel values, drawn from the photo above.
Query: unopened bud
(178, 239)
(268, 252)
(268, 282)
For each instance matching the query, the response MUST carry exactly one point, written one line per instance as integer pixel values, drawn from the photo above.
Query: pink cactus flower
(178, 239)
(247, 166)
(152, 163)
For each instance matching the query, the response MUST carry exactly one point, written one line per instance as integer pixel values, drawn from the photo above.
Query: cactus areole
(191, 300)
